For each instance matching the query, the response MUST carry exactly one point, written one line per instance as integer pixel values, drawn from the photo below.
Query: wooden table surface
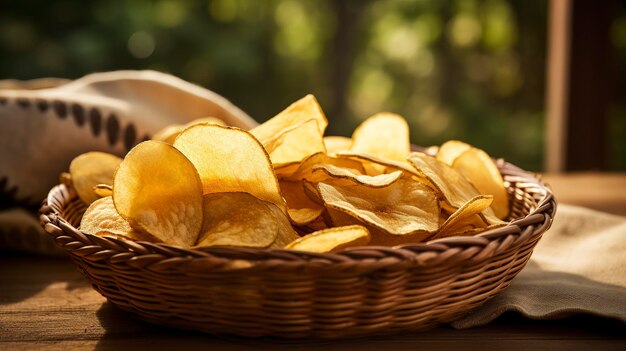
(45, 304)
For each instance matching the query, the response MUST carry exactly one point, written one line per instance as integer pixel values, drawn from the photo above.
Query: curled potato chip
(90, 169)
(374, 165)
(237, 219)
(296, 143)
(229, 159)
(158, 191)
(301, 209)
(377, 237)
(450, 150)
(384, 135)
(169, 133)
(337, 173)
(455, 188)
(103, 190)
(304, 170)
(302, 110)
(101, 218)
(332, 239)
(473, 207)
(475, 165)
(404, 207)
(335, 144)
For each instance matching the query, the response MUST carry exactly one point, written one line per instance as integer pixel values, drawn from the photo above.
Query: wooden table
(45, 304)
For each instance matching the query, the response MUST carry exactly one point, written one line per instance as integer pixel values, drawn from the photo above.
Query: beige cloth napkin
(45, 123)
(578, 267)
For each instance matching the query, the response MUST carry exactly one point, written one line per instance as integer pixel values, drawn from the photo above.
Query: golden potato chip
(286, 233)
(404, 207)
(450, 150)
(318, 224)
(455, 188)
(374, 165)
(66, 179)
(332, 239)
(384, 135)
(101, 218)
(473, 207)
(311, 191)
(229, 159)
(103, 190)
(329, 171)
(304, 169)
(335, 144)
(475, 165)
(378, 237)
(302, 110)
(301, 209)
(296, 143)
(237, 219)
(169, 133)
(90, 169)
(158, 191)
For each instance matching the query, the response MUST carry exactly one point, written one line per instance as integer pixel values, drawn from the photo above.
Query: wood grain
(600, 191)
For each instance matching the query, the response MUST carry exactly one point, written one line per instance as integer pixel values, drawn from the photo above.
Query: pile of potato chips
(284, 184)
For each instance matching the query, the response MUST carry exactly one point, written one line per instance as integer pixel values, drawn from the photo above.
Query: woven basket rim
(462, 248)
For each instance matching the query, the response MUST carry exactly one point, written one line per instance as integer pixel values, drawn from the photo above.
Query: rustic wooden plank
(600, 191)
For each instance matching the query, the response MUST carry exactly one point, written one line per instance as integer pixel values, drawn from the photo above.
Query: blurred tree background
(465, 69)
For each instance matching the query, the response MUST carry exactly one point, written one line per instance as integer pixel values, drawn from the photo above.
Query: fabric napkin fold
(578, 267)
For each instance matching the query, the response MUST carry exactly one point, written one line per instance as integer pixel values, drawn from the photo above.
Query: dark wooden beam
(580, 82)
(591, 80)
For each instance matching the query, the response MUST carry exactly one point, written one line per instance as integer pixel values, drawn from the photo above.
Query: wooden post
(557, 91)
(579, 85)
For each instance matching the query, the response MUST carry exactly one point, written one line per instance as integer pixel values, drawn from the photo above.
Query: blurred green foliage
(464, 69)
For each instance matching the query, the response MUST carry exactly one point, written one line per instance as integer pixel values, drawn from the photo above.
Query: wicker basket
(257, 292)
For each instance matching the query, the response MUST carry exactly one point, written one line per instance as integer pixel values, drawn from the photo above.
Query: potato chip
(229, 159)
(101, 218)
(301, 209)
(158, 191)
(332, 239)
(296, 143)
(302, 110)
(384, 135)
(475, 165)
(318, 224)
(237, 219)
(473, 207)
(456, 189)
(329, 171)
(103, 190)
(335, 144)
(66, 179)
(378, 237)
(304, 169)
(450, 150)
(169, 133)
(90, 169)
(404, 207)
(374, 165)
(286, 233)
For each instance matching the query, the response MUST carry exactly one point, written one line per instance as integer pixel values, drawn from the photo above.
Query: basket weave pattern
(258, 292)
